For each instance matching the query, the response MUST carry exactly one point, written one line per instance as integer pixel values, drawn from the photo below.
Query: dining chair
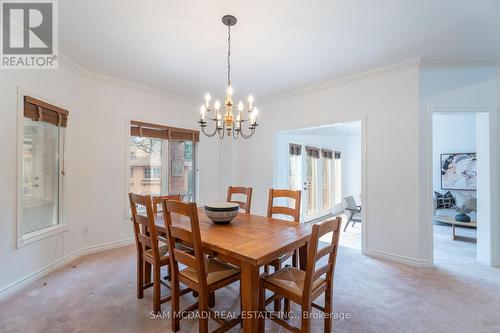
(149, 251)
(353, 210)
(246, 191)
(203, 274)
(158, 199)
(293, 212)
(304, 287)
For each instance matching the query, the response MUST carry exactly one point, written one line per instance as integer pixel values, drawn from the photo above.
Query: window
(156, 173)
(147, 173)
(145, 156)
(41, 173)
(181, 172)
(338, 178)
(162, 160)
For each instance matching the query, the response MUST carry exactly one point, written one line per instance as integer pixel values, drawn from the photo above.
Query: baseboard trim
(399, 259)
(26, 280)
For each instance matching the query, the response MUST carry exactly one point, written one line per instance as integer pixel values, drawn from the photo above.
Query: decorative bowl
(222, 212)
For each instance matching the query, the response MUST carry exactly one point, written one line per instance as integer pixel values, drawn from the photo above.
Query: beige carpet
(98, 295)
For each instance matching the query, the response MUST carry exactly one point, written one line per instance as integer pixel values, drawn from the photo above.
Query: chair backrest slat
(145, 240)
(320, 271)
(294, 211)
(158, 199)
(323, 252)
(314, 255)
(184, 234)
(247, 191)
(185, 258)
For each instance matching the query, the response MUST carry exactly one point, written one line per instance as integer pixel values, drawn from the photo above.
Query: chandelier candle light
(227, 123)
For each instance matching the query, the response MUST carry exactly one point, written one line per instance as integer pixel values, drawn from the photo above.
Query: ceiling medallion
(227, 123)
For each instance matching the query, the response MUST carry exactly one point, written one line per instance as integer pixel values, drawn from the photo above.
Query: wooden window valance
(295, 149)
(326, 153)
(337, 155)
(147, 130)
(312, 152)
(38, 110)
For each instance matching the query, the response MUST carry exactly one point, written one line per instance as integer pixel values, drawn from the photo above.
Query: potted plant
(462, 214)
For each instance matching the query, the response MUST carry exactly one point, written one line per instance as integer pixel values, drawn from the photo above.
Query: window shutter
(312, 152)
(295, 149)
(148, 130)
(38, 110)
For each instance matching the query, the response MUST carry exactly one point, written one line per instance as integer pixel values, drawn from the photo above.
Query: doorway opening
(325, 163)
(461, 218)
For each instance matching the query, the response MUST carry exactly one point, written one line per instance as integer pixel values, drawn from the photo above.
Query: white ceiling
(280, 45)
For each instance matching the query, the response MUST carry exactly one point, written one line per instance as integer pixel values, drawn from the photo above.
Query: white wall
(463, 88)
(454, 133)
(96, 151)
(389, 99)
(353, 164)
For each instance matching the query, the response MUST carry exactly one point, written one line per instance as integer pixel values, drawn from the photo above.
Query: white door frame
(428, 220)
(363, 118)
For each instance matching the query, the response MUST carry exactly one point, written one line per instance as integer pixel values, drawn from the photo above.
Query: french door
(312, 173)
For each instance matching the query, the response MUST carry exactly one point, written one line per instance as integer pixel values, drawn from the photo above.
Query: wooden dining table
(250, 242)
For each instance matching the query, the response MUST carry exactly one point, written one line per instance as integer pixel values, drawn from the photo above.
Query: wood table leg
(250, 298)
(303, 257)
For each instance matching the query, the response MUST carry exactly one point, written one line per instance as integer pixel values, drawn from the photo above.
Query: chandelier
(225, 122)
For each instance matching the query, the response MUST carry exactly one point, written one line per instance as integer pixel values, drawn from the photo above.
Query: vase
(462, 217)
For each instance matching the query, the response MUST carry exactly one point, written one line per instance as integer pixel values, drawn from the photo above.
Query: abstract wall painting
(458, 171)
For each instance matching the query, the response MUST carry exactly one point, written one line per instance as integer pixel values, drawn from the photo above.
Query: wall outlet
(85, 230)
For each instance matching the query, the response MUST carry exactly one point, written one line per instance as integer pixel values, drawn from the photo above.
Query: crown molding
(381, 71)
(378, 72)
(78, 69)
(443, 61)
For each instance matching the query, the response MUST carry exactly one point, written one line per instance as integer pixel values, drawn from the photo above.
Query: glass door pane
(294, 174)
(338, 181)
(326, 183)
(310, 185)
(145, 165)
(181, 169)
(40, 196)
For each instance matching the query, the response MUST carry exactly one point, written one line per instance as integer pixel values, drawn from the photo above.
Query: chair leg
(346, 225)
(262, 306)
(169, 272)
(211, 300)
(147, 272)
(175, 305)
(295, 259)
(328, 309)
(286, 308)
(277, 302)
(203, 308)
(140, 277)
(306, 321)
(156, 289)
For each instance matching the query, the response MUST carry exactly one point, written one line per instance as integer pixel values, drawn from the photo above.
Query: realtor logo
(29, 34)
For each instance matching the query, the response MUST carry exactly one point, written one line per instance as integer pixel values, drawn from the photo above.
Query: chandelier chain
(229, 56)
